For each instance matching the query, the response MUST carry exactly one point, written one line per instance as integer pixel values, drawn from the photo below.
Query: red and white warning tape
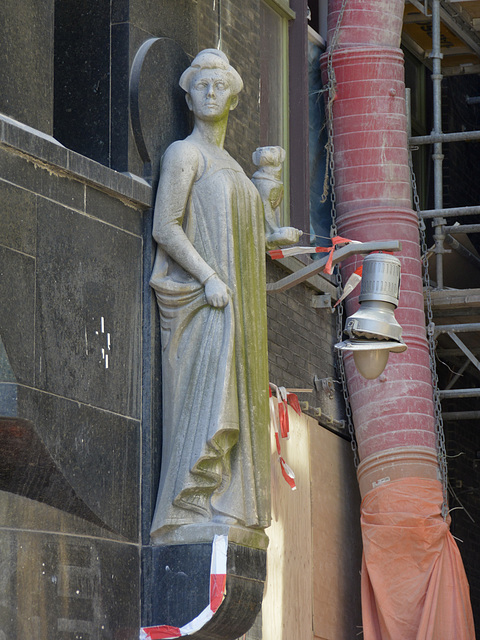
(337, 241)
(218, 579)
(350, 285)
(281, 426)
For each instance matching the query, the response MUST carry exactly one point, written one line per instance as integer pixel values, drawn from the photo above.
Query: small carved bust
(268, 181)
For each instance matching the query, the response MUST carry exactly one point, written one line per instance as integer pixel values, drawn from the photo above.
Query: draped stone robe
(215, 460)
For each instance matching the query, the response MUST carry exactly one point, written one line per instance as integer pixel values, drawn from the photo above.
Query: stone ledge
(43, 150)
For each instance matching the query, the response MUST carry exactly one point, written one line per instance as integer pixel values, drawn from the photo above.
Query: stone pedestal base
(177, 583)
(199, 533)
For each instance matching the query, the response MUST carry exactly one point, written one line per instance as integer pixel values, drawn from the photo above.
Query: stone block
(63, 587)
(82, 77)
(26, 62)
(108, 209)
(41, 180)
(88, 325)
(177, 581)
(18, 222)
(17, 315)
(176, 19)
(95, 452)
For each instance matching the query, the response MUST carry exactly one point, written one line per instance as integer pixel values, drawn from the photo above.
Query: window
(274, 89)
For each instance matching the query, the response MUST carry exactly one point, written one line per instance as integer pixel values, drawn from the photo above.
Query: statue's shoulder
(182, 148)
(181, 153)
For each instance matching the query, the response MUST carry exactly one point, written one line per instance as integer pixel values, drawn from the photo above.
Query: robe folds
(215, 456)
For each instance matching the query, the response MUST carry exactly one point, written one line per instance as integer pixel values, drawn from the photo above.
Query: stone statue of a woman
(209, 279)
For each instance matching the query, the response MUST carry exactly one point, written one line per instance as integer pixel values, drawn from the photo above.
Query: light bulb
(370, 364)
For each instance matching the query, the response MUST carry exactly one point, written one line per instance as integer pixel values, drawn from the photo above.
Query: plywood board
(336, 538)
(287, 605)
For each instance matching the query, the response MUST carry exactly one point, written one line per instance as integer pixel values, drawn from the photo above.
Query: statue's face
(210, 96)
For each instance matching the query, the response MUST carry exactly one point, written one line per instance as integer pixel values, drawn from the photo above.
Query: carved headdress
(211, 59)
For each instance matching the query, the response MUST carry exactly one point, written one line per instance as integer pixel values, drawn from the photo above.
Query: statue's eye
(220, 85)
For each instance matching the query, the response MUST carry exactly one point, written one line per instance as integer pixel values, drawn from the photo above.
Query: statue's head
(268, 156)
(212, 59)
(212, 86)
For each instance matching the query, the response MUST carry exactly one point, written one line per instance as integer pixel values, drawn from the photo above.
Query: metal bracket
(324, 384)
(322, 301)
(338, 255)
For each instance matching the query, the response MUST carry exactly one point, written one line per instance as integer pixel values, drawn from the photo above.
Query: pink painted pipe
(394, 412)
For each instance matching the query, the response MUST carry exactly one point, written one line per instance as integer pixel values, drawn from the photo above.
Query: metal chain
(332, 90)
(439, 431)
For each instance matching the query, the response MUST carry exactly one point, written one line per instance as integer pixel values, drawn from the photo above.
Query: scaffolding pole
(452, 212)
(436, 56)
(438, 137)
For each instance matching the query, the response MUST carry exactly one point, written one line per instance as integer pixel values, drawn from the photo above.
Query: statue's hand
(216, 292)
(283, 236)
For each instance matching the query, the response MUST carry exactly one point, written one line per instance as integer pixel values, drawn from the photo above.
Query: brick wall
(300, 342)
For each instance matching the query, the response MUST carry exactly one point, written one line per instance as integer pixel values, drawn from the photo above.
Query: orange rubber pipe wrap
(393, 415)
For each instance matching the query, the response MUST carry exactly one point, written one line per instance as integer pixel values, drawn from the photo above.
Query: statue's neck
(211, 132)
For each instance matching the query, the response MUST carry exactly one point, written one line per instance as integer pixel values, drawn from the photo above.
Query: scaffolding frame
(443, 232)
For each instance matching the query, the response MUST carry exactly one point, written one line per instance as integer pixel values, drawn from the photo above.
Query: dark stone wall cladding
(26, 62)
(70, 382)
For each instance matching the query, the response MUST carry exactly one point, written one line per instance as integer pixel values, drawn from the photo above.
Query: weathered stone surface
(26, 62)
(18, 222)
(96, 451)
(209, 279)
(17, 313)
(67, 586)
(88, 310)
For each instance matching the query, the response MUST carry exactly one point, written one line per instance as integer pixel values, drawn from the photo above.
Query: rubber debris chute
(414, 585)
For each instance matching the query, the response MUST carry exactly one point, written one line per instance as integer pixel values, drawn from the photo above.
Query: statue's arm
(275, 235)
(282, 236)
(179, 168)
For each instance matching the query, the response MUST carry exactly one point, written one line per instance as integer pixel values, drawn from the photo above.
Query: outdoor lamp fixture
(373, 330)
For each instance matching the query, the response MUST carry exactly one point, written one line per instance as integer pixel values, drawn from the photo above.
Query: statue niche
(209, 280)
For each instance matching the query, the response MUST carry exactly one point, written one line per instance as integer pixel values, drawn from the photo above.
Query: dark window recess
(82, 77)
(314, 15)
